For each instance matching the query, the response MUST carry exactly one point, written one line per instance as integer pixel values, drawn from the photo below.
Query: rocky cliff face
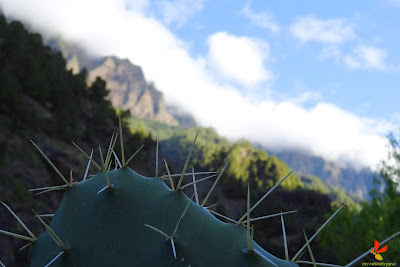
(356, 181)
(126, 82)
(129, 89)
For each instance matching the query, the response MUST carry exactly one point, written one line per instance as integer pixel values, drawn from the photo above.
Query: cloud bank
(366, 57)
(239, 59)
(109, 27)
(332, 34)
(333, 31)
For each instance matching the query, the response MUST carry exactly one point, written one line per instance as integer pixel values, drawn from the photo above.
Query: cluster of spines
(245, 220)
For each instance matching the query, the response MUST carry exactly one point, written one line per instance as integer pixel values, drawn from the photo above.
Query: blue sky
(311, 65)
(316, 76)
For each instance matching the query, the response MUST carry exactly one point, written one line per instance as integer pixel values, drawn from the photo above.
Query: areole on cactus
(121, 218)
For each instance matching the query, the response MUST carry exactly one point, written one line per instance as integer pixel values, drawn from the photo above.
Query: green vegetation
(44, 101)
(356, 227)
(337, 195)
(114, 205)
(248, 164)
(40, 91)
(32, 71)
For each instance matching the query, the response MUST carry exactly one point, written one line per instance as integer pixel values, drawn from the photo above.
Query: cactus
(141, 222)
(121, 218)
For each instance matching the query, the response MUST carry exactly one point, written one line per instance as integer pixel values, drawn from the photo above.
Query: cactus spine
(121, 218)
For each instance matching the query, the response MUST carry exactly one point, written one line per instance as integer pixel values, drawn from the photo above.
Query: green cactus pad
(108, 228)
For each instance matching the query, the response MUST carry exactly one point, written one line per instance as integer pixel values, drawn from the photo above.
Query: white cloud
(331, 31)
(179, 11)
(239, 59)
(366, 57)
(334, 32)
(107, 27)
(323, 130)
(261, 19)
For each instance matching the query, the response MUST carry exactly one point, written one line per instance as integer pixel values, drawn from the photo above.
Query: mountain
(129, 89)
(358, 182)
(126, 82)
(47, 103)
(150, 106)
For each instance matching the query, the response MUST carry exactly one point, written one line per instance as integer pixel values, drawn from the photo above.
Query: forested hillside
(375, 219)
(248, 164)
(45, 102)
(130, 90)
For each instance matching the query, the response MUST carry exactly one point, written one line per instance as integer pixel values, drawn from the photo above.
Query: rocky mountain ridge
(126, 82)
(358, 182)
(129, 88)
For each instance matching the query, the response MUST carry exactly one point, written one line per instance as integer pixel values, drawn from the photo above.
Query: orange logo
(376, 250)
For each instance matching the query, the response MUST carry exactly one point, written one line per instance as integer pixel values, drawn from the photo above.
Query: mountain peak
(129, 89)
(126, 82)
